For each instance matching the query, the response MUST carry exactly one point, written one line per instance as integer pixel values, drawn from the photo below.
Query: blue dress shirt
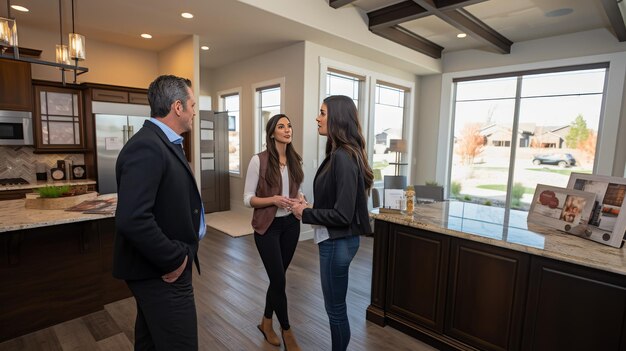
(178, 140)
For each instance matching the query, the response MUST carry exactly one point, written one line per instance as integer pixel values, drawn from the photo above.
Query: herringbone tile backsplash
(20, 161)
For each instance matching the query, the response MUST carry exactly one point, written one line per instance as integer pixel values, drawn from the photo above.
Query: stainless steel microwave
(16, 128)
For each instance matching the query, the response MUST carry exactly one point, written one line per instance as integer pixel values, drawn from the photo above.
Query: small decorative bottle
(409, 195)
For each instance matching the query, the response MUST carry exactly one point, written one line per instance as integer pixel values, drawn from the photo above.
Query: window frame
(256, 89)
(221, 107)
(367, 105)
(609, 114)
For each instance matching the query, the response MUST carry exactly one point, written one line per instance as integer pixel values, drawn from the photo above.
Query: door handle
(131, 131)
(125, 133)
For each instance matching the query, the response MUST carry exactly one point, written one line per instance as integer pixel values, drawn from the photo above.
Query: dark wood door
(215, 179)
(418, 265)
(574, 308)
(487, 291)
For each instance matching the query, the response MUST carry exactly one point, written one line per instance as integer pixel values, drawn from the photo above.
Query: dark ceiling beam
(411, 40)
(616, 18)
(466, 22)
(444, 5)
(396, 14)
(339, 3)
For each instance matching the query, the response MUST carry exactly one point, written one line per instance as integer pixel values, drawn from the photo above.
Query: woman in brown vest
(272, 188)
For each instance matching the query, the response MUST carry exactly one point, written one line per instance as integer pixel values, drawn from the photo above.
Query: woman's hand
(298, 208)
(282, 202)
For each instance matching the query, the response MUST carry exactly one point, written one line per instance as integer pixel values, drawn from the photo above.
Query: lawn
(502, 187)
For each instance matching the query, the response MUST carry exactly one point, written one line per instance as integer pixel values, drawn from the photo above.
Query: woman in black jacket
(340, 213)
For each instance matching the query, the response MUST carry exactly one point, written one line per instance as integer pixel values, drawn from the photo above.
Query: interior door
(215, 179)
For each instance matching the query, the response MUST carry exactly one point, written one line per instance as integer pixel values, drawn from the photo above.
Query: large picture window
(388, 124)
(513, 132)
(230, 103)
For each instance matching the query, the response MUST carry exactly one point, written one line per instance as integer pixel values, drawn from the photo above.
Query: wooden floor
(230, 295)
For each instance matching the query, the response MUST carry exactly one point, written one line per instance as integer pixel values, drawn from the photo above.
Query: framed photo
(565, 209)
(607, 224)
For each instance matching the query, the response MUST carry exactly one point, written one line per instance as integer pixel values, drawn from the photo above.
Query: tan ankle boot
(289, 339)
(268, 332)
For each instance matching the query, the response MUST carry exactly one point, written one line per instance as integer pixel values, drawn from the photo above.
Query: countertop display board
(393, 192)
(565, 209)
(607, 224)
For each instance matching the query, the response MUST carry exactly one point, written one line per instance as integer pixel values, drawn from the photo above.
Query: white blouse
(252, 180)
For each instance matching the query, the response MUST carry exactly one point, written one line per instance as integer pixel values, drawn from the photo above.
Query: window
(230, 103)
(268, 105)
(342, 83)
(513, 132)
(389, 103)
(388, 123)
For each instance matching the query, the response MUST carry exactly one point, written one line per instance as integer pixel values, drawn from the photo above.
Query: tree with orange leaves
(470, 143)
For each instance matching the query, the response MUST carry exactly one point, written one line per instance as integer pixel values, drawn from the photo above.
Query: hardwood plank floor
(230, 296)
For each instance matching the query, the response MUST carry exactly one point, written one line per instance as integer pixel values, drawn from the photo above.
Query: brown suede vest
(263, 217)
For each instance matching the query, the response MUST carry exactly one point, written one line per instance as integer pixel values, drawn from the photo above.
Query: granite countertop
(41, 184)
(487, 225)
(14, 216)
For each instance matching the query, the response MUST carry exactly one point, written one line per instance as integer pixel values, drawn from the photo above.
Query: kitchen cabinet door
(416, 278)
(574, 308)
(486, 295)
(58, 119)
(15, 86)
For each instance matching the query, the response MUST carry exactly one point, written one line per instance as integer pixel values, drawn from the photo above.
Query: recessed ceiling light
(204, 47)
(146, 36)
(559, 12)
(186, 15)
(19, 8)
(461, 35)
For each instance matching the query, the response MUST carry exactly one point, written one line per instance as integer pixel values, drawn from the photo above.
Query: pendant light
(8, 28)
(62, 52)
(76, 42)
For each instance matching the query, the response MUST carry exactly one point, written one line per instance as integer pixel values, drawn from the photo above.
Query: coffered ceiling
(238, 29)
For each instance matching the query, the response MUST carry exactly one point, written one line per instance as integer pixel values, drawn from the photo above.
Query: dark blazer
(340, 201)
(158, 207)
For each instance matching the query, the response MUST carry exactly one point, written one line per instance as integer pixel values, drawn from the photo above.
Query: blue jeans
(335, 258)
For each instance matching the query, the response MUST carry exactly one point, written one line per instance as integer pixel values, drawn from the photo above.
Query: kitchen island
(55, 265)
(463, 276)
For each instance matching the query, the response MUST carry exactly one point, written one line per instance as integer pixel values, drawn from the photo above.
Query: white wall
(183, 59)
(523, 55)
(107, 63)
(284, 63)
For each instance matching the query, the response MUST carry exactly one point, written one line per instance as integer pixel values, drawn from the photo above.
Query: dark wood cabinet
(487, 290)
(109, 95)
(458, 294)
(574, 308)
(417, 272)
(15, 86)
(54, 274)
(58, 120)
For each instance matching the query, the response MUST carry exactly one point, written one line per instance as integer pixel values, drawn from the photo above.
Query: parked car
(562, 160)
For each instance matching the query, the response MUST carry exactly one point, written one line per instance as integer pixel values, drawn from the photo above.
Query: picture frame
(564, 209)
(607, 223)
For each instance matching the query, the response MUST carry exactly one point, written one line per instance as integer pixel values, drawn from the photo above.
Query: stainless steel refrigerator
(112, 132)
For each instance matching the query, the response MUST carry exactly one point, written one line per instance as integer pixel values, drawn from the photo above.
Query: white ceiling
(235, 31)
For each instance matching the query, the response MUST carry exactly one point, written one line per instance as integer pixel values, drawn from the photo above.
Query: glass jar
(408, 201)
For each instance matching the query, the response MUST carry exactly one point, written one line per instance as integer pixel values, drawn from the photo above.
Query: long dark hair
(294, 161)
(344, 131)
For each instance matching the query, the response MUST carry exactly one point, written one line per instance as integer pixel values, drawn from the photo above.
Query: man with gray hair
(160, 220)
